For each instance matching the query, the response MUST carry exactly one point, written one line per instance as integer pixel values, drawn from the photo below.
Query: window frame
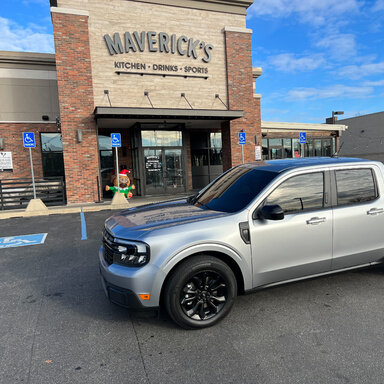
(334, 187)
(326, 192)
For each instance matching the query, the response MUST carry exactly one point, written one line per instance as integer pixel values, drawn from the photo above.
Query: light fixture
(79, 135)
(45, 118)
(106, 92)
(1, 144)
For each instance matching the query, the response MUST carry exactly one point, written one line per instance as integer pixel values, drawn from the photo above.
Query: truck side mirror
(271, 212)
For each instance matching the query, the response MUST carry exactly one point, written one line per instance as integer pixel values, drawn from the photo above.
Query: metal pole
(33, 175)
(117, 170)
(242, 154)
(302, 150)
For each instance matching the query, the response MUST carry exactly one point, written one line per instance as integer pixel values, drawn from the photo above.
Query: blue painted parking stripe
(83, 227)
(23, 240)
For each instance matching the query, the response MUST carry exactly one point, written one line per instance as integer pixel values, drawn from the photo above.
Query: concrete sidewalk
(136, 201)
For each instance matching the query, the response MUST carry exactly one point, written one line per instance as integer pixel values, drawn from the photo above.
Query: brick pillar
(74, 78)
(240, 97)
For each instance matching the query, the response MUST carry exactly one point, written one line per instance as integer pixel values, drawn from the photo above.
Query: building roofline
(303, 126)
(36, 58)
(362, 116)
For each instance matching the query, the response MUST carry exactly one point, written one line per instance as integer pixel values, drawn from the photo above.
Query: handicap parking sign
(116, 140)
(303, 137)
(29, 140)
(242, 138)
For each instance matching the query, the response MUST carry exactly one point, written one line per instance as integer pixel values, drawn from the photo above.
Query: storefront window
(206, 157)
(107, 164)
(265, 149)
(52, 154)
(287, 148)
(317, 147)
(161, 138)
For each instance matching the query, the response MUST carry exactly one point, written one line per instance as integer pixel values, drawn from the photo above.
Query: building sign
(158, 42)
(258, 153)
(6, 161)
(152, 163)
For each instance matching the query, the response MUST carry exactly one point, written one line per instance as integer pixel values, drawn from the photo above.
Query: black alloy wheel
(200, 292)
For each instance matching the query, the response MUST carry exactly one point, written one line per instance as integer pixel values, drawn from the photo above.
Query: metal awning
(166, 113)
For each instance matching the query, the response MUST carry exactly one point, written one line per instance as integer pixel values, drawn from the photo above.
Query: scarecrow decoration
(125, 186)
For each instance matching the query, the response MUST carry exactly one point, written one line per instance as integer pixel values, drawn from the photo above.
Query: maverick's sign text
(158, 42)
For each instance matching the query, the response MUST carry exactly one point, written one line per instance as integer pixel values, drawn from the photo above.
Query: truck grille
(109, 247)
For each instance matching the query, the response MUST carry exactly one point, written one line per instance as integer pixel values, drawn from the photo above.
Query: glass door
(173, 171)
(154, 181)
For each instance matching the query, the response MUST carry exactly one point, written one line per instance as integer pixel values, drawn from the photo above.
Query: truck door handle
(375, 211)
(316, 220)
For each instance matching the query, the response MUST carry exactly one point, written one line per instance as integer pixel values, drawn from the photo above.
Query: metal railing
(16, 193)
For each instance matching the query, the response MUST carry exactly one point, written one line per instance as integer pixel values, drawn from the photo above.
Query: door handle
(375, 211)
(316, 220)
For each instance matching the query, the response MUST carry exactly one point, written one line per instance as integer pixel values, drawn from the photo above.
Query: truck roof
(279, 166)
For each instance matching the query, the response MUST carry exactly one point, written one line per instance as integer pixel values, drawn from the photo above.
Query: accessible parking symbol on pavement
(22, 241)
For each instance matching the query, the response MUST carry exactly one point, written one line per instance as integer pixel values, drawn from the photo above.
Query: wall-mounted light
(45, 117)
(1, 144)
(106, 92)
(58, 123)
(79, 135)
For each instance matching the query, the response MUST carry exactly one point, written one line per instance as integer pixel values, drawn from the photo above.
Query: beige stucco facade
(107, 18)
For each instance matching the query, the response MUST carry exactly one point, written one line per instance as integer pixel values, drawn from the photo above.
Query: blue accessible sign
(29, 140)
(116, 140)
(303, 137)
(22, 241)
(242, 138)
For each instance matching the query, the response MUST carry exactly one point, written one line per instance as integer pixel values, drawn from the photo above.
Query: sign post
(29, 142)
(303, 140)
(116, 143)
(242, 142)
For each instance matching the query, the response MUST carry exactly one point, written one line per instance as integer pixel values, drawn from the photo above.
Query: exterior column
(240, 97)
(74, 78)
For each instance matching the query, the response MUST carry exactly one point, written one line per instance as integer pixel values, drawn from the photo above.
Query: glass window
(296, 147)
(317, 147)
(265, 149)
(51, 142)
(327, 148)
(199, 157)
(299, 193)
(105, 143)
(275, 142)
(215, 156)
(52, 154)
(355, 186)
(234, 190)
(161, 138)
(215, 139)
(287, 148)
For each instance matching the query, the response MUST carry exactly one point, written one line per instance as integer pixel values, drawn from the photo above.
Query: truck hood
(155, 216)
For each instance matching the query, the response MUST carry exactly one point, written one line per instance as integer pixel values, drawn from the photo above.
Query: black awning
(166, 113)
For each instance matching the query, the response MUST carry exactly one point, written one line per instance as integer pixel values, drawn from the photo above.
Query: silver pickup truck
(257, 225)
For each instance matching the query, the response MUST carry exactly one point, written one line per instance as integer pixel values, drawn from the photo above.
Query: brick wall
(240, 97)
(13, 139)
(74, 77)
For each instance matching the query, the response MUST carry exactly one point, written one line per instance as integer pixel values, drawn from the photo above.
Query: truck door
(301, 243)
(358, 216)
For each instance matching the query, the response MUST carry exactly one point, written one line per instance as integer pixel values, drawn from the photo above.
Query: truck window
(299, 193)
(355, 186)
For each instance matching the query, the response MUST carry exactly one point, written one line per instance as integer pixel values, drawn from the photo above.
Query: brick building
(173, 77)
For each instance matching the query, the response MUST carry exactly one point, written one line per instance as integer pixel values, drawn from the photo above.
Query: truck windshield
(234, 190)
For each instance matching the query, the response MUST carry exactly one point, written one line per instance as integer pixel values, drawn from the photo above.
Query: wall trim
(28, 122)
(69, 11)
(237, 30)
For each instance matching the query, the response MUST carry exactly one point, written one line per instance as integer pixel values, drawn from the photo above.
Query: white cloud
(312, 11)
(334, 91)
(14, 37)
(358, 71)
(339, 45)
(378, 83)
(288, 62)
(379, 6)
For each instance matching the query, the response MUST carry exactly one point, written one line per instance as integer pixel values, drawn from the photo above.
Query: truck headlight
(132, 254)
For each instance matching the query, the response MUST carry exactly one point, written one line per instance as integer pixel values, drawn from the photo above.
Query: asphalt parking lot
(56, 325)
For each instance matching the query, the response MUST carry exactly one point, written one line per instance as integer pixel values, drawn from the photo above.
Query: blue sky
(317, 55)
